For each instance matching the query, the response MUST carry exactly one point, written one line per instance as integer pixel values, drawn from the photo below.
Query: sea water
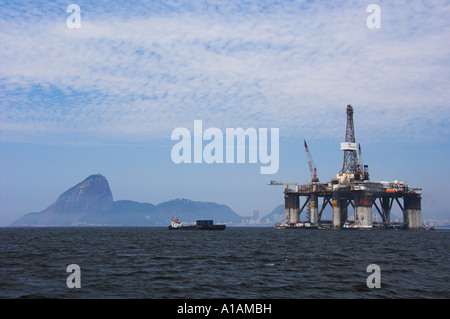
(254, 263)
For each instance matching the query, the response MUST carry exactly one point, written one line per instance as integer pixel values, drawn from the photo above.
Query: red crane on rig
(312, 166)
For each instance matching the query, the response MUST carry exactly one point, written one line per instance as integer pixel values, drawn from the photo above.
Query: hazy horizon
(105, 97)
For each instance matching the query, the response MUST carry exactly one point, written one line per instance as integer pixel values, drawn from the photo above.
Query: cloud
(138, 70)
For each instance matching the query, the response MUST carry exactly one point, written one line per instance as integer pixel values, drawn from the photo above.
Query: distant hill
(91, 203)
(130, 213)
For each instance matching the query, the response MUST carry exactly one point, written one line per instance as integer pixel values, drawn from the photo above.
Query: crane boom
(312, 166)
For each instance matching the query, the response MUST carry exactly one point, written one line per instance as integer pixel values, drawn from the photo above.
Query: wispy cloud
(138, 70)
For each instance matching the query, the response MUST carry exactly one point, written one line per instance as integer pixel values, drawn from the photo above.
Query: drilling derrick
(351, 188)
(349, 146)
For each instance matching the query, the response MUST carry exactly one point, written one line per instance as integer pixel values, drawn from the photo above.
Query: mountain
(131, 213)
(123, 213)
(91, 203)
(91, 195)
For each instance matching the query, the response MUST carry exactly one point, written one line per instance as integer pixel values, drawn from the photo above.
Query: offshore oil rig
(351, 187)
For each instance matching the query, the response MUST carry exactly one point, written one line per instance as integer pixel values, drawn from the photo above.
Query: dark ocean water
(243, 263)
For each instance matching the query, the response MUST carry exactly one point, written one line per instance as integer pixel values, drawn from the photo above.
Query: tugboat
(199, 225)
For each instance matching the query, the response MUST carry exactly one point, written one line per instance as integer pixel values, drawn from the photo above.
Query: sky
(106, 97)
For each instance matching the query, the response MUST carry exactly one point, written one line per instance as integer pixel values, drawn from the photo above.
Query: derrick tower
(349, 146)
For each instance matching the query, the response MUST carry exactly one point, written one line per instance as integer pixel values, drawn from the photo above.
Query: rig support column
(344, 210)
(287, 210)
(295, 209)
(363, 209)
(336, 210)
(291, 208)
(413, 211)
(314, 209)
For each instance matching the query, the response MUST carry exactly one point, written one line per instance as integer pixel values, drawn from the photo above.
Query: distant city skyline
(103, 96)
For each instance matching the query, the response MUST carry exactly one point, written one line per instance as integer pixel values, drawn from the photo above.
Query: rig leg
(344, 210)
(413, 211)
(314, 209)
(291, 208)
(336, 210)
(287, 210)
(363, 209)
